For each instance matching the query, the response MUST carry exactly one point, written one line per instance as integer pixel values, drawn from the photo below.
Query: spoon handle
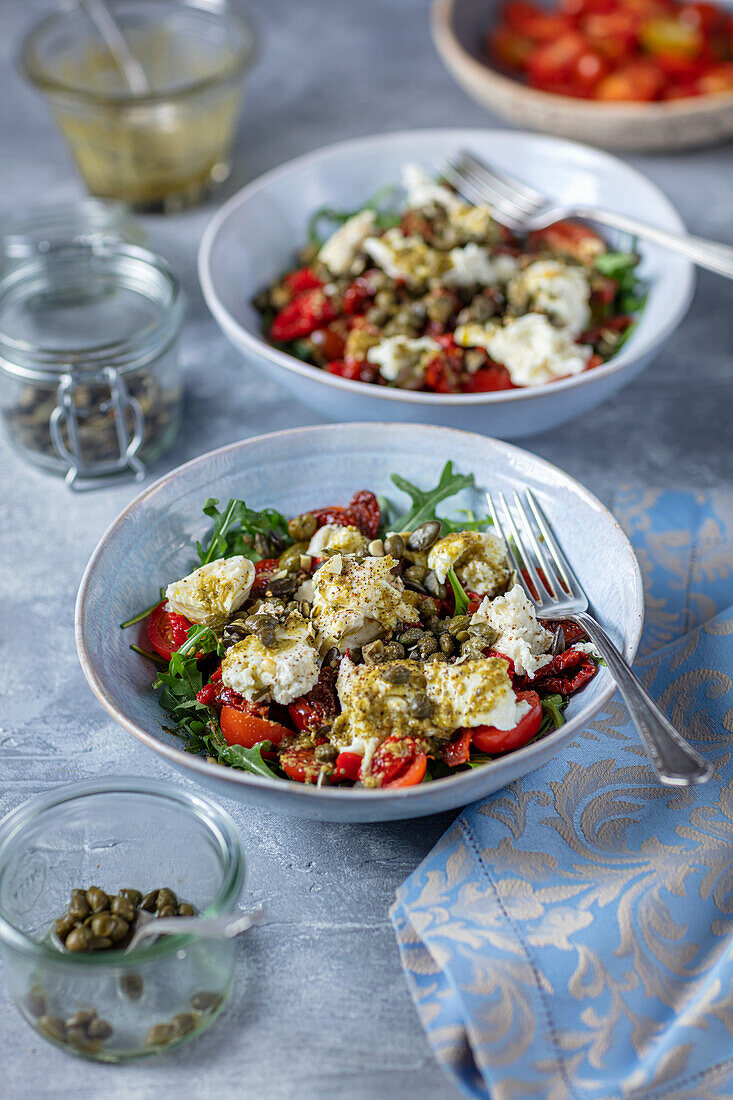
(223, 927)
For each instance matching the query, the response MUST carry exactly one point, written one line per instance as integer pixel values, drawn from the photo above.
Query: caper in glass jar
(205, 1000)
(159, 1034)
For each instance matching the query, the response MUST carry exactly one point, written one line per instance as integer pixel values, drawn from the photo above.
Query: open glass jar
(113, 834)
(89, 375)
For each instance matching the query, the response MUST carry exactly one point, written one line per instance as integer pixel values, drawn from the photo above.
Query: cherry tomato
(552, 61)
(588, 68)
(348, 766)
(241, 728)
(509, 48)
(399, 762)
(167, 631)
(358, 295)
(638, 80)
(718, 79)
(308, 311)
(487, 379)
(490, 739)
(328, 343)
(306, 716)
(535, 22)
(458, 748)
(300, 765)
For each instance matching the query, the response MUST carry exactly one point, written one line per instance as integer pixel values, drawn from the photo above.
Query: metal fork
(558, 594)
(521, 208)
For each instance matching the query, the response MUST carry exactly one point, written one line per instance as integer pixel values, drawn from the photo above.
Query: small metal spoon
(215, 928)
(115, 41)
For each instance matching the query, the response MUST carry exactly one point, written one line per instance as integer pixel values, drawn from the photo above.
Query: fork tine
(562, 567)
(497, 524)
(480, 196)
(486, 178)
(497, 195)
(535, 544)
(527, 563)
(518, 186)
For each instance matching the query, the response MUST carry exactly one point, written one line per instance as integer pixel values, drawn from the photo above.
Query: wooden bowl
(459, 30)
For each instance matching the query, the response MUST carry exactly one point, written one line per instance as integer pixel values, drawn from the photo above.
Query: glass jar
(164, 144)
(115, 834)
(89, 375)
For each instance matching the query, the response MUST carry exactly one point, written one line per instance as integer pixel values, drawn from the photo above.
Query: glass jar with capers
(89, 375)
(64, 941)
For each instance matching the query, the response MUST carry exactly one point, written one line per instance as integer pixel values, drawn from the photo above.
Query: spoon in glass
(111, 34)
(223, 927)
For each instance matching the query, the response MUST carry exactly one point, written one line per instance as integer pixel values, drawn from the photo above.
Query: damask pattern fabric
(570, 937)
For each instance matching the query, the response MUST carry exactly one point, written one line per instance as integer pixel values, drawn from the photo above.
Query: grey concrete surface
(321, 1009)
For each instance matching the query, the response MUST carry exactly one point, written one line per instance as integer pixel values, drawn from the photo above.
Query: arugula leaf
(424, 502)
(237, 756)
(552, 713)
(459, 592)
(478, 759)
(235, 527)
(616, 264)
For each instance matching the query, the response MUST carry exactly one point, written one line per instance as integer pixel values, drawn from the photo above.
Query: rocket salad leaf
(235, 527)
(424, 502)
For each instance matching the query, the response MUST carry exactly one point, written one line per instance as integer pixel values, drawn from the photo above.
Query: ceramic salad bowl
(255, 236)
(153, 540)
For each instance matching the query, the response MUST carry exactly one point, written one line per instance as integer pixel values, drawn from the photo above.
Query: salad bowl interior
(254, 238)
(153, 540)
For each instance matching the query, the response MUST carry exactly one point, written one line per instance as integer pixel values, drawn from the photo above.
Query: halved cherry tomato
(638, 80)
(399, 762)
(487, 379)
(300, 765)
(240, 728)
(536, 22)
(310, 310)
(167, 631)
(348, 766)
(458, 748)
(552, 60)
(306, 716)
(490, 739)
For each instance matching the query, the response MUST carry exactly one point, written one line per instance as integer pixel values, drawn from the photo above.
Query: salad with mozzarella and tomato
(352, 644)
(438, 296)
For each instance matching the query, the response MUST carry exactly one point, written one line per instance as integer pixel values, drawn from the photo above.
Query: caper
(82, 1018)
(447, 645)
(63, 926)
(373, 652)
(133, 896)
(427, 645)
(54, 1027)
(122, 907)
(205, 1000)
(35, 1000)
(80, 939)
(149, 902)
(166, 897)
(78, 907)
(429, 609)
(291, 556)
(436, 625)
(97, 899)
(434, 586)
(260, 620)
(99, 1029)
(412, 636)
(376, 548)
(423, 537)
(486, 633)
(393, 651)
(325, 754)
(438, 656)
(168, 911)
(304, 608)
(185, 910)
(395, 674)
(473, 649)
(159, 1034)
(458, 622)
(302, 527)
(394, 546)
(132, 986)
(77, 1037)
(104, 924)
(183, 1023)
(462, 636)
(420, 706)
(100, 943)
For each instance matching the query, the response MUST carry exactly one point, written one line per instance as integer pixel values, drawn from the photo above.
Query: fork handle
(675, 761)
(709, 254)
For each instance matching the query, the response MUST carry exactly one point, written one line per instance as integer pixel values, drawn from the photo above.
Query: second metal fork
(556, 593)
(521, 208)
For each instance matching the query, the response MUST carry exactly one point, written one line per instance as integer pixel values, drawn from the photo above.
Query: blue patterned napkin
(570, 937)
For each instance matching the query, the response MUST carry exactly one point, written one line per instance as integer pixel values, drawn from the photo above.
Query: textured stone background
(321, 1008)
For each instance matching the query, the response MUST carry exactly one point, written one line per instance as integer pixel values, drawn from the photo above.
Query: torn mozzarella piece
(473, 265)
(212, 592)
(357, 601)
(530, 347)
(422, 190)
(282, 672)
(399, 357)
(343, 247)
(560, 290)
(520, 636)
(479, 559)
(332, 539)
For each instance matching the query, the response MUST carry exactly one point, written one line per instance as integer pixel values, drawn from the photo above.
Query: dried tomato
(565, 674)
(363, 512)
(487, 379)
(308, 311)
(357, 370)
(458, 748)
(302, 279)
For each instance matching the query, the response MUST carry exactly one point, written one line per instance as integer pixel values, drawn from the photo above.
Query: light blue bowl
(256, 234)
(152, 543)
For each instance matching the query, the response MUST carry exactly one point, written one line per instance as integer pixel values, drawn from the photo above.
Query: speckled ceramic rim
(639, 344)
(454, 54)
(409, 795)
(219, 824)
